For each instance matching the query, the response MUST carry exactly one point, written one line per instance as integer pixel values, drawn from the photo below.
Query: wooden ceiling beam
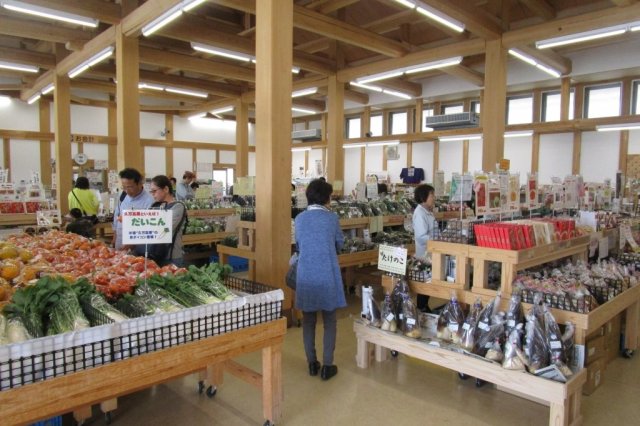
(475, 22)
(207, 106)
(571, 25)
(623, 2)
(314, 46)
(465, 73)
(107, 12)
(463, 48)
(319, 106)
(211, 87)
(23, 56)
(357, 97)
(549, 57)
(303, 83)
(392, 22)
(332, 5)
(190, 63)
(26, 28)
(132, 23)
(404, 86)
(540, 8)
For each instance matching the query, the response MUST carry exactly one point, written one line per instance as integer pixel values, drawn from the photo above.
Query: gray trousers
(309, 320)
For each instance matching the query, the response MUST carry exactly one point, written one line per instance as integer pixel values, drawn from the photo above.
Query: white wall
(96, 151)
(227, 157)
(252, 164)
(556, 156)
(599, 156)
(634, 141)
(519, 151)
(373, 160)
(19, 115)
(394, 167)
(297, 162)
(422, 155)
(151, 124)
(155, 162)
(182, 161)
(475, 155)
(315, 155)
(450, 159)
(89, 120)
(25, 158)
(204, 130)
(351, 169)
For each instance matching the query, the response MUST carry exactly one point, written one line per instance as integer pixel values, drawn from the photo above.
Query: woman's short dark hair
(319, 192)
(422, 192)
(131, 174)
(82, 183)
(162, 182)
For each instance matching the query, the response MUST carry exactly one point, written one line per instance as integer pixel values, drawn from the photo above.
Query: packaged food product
(514, 314)
(450, 321)
(469, 326)
(514, 358)
(410, 320)
(397, 298)
(536, 348)
(388, 317)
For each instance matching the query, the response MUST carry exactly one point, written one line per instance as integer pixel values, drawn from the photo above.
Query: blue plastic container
(54, 421)
(239, 264)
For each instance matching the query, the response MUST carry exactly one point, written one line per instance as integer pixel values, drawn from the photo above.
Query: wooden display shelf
(358, 258)
(354, 223)
(564, 399)
(76, 391)
(393, 220)
(211, 212)
(224, 251)
(208, 238)
(15, 219)
(449, 215)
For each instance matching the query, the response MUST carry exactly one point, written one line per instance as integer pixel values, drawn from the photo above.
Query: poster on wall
(372, 187)
(480, 187)
(392, 152)
(532, 191)
(438, 183)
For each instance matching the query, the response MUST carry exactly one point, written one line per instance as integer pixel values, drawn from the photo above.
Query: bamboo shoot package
(514, 357)
(469, 326)
(536, 348)
(483, 324)
(492, 337)
(514, 314)
(410, 320)
(370, 310)
(568, 341)
(557, 354)
(450, 321)
(400, 290)
(389, 321)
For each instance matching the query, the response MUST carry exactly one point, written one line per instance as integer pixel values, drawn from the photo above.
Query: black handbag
(291, 277)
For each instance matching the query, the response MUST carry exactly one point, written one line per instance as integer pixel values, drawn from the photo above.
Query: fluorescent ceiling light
(379, 76)
(197, 116)
(518, 134)
(535, 63)
(222, 110)
(18, 67)
(5, 101)
(191, 4)
(614, 127)
(389, 143)
(162, 20)
(460, 138)
(433, 65)
(406, 3)
(33, 98)
(200, 47)
(304, 111)
(187, 92)
(304, 92)
(397, 94)
(354, 145)
(150, 86)
(580, 37)
(295, 70)
(98, 57)
(300, 149)
(366, 86)
(440, 17)
(45, 12)
(48, 89)
(635, 28)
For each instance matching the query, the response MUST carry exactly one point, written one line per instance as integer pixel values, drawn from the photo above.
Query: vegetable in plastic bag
(3, 330)
(514, 357)
(371, 312)
(514, 314)
(483, 324)
(487, 338)
(536, 348)
(98, 302)
(66, 315)
(410, 321)
(153, 302)
(388, 317)
(568, 342)
(469, 326)
(400, 290)
(495, 352)
(16, 331)
(556, 346)
(450, 321)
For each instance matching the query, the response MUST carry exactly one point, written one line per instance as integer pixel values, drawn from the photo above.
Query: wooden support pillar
(62, 116)
(436, 159)
(537, 106)
(577, 150)
(112, 118)
(535, 152)
(578, 107)
(385, 122)
(494, 108)
(242, 139)
(409, 154)
(365, 122)
(130, 151)
(363, 163)
(417, 122)
(274, 40)
(465, 156)
(306, 162)
(335, 131)
(624, 151)
(625, 90)
(45, 144)
(168, 152)
(194, 159)
(565, 97)
(6, 155)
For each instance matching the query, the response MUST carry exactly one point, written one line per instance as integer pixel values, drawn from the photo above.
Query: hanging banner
(147, 227)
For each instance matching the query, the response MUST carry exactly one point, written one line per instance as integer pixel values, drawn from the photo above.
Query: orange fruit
(9, 271)
(29, 273)
(8, 252)
(25, 255)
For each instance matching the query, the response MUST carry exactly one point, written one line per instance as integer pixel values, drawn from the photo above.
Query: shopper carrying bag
(81, 197)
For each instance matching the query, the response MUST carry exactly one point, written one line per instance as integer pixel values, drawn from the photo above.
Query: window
(520, 109)
(551, 105)
(475, 107)
(375, 126)
(353, 127)
(398, 123)
(452, 109)
(602, 101)
(426, 113)
(635, 98)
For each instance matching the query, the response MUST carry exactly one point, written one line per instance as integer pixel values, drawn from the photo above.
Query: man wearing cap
(183, 189)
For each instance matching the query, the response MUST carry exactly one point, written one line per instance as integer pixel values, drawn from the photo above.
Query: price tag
(453, 326)
(511, 323)
(555, 344)
(411, 321)
(466, 326)
(390, 317)
(392, 259)
(483, 326)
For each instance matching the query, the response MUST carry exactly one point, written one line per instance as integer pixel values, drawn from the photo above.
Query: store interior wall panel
(556, 156)
(227, 157)
(252, 164)
(450, 158)
(252, 134)
(599, 156)
(97, 151)
(155, 161)
(373, 160)
(315, 155)
(475, 156)
(298, 126)
(351, 169)
(182, 161)
(74, 149)
(25, 159)
(317, 124)
(634, 142)
(519, 151)
(89, 120)
(205, 156)
(297, 163)
(151, 125)
(394, 167)
(422, 155)
(20, 116)
(204, 130)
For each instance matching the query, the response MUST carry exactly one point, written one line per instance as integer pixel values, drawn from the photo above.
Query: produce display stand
(15, 219)
(52, 375)
(206, 238)
(225, 251)
(564, 399)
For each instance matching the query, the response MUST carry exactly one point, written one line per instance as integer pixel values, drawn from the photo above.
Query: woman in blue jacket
(319, 283)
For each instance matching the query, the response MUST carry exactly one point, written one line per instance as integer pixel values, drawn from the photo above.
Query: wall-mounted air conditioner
(306, 135)
(453, 121)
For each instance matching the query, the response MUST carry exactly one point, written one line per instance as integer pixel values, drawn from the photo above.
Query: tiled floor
(402, 391)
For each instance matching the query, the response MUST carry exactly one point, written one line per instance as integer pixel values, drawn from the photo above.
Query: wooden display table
(211, 212)
(207, 238)
(59, 395)
(224, 251)
(14, 219)
(564, 399)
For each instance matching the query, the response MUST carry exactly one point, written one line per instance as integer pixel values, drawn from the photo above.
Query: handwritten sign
(147, 226)
(392, 259)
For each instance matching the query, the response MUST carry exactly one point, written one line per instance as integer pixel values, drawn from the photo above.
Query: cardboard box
(595, 375)
(595, 349)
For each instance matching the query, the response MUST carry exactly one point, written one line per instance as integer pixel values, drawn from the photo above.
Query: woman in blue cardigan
(319, 283)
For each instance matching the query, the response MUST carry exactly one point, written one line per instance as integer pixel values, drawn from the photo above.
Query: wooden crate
(246, 235)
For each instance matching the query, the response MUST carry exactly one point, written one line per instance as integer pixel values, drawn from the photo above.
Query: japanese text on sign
(147, 226)
(392, 259)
